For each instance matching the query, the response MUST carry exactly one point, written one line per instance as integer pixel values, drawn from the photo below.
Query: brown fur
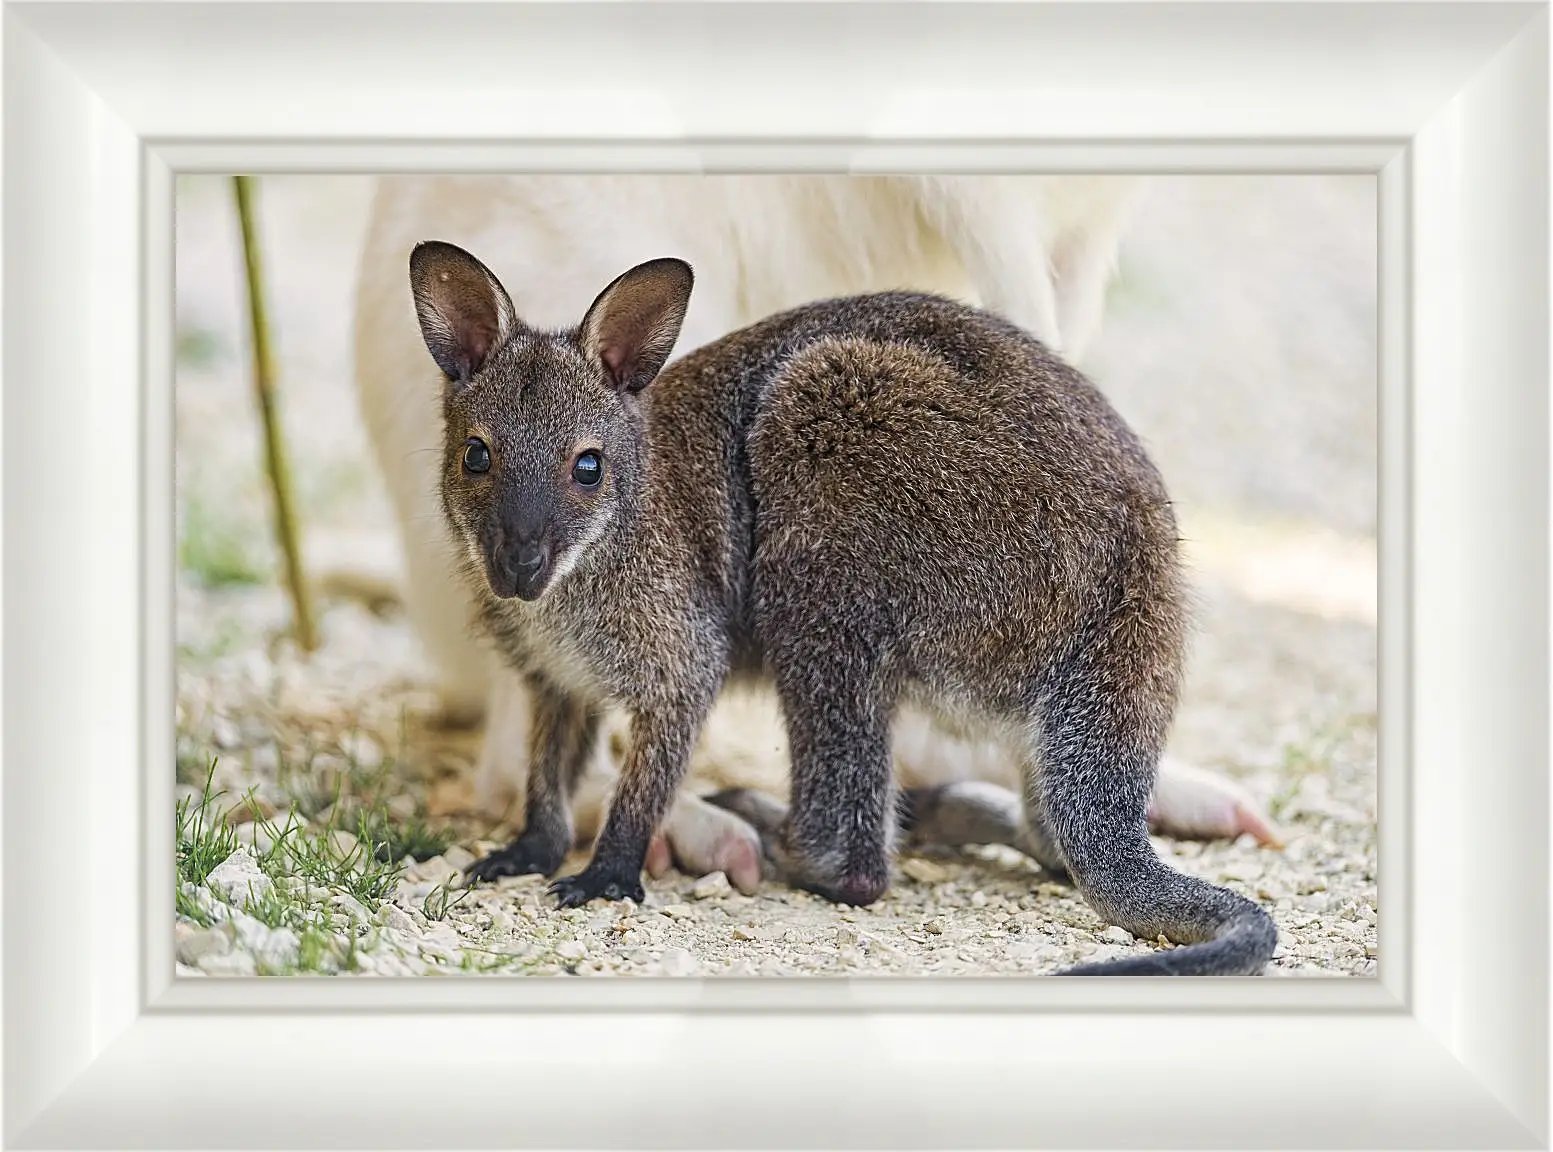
(870, 502)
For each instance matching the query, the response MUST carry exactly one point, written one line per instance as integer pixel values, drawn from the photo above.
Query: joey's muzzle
(522, 571)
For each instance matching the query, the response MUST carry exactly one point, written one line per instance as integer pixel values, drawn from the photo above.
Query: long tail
(1224, 933)
(1090, 797)
(1106, 711)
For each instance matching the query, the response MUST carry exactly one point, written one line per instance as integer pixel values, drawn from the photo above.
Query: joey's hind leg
(562, 732)
(840, 824)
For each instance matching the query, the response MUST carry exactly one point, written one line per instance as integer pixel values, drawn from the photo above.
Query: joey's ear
(464, 311)
(633, 324)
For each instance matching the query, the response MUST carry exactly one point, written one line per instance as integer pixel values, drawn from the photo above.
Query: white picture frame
(1446, 102)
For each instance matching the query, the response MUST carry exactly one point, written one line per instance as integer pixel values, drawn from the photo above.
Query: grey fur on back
(870, 501)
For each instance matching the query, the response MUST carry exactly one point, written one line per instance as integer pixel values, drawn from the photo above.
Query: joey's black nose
(527, 571)
(522, 570)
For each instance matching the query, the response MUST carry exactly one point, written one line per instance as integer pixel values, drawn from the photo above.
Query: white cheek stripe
(570, 558)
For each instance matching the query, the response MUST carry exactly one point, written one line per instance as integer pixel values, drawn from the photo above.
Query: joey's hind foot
(593, 884)
(856, 889)
(858, 883)
(819, 860)
(525, 856)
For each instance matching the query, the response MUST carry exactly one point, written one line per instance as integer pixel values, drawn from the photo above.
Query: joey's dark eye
(588, 469)
(477, 457)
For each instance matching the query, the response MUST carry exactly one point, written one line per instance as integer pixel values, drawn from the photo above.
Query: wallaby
(868, 502)
(1037, 249)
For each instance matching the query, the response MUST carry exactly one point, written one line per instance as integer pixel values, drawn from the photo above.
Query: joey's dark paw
(859, 889)
(523, 857)
(575, 891)
(858, 882)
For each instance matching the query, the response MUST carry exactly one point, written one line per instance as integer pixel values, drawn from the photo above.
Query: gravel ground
(1265, 431)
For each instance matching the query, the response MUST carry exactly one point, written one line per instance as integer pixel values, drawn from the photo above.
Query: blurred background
(1239, 340)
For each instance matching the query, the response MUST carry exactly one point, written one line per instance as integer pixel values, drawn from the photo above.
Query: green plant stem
(264, 389)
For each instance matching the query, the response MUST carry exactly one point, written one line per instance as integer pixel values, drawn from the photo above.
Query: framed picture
(1386, 164)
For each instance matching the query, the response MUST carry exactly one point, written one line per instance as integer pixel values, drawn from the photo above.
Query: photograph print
(763, 575)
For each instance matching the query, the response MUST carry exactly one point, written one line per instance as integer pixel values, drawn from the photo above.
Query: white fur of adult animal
(1040, 250)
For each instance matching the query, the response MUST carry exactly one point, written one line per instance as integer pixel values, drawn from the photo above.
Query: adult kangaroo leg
(942, 816)
(976, 812)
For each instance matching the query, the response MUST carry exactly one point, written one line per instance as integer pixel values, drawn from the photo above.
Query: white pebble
(413, 892)
(237, 878)
(398, 919)
(228, 964)
(253, 834)
(275, 946)
(436, 869)
(678, 962)
(458, 858)
(924, 871)
(344, 843)
(361, 748)
(572, 950)
(264, 760)
(351, 906)
(1116, 935)
(388, 964)
(442, 936)
(200, 942)
(225, 733)
(712, 884)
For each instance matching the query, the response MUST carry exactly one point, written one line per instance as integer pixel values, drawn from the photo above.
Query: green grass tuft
(440, 901)
(317, 950)
(394, 839)
(216, 549)
(187, 907)
(203, 838)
